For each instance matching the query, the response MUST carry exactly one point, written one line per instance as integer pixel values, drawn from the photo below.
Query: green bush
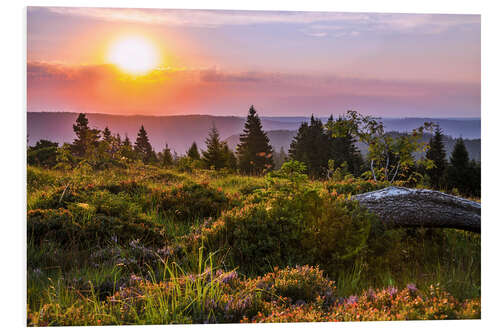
(301, 284)
(51, 224)
(59, 226)
(278, 229)
(190, 201)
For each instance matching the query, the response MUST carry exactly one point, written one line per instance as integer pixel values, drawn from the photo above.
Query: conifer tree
(310, 146)
(166, 156)
(458, 171)
(86, 138)
(213, 157)
(475, 179)
(143, 148)
(193, 152)
(126, 142)
(254, 152)
(106, 135)
(126, 149)
(437, 155)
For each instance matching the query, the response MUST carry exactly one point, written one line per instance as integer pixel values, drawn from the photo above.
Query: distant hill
(283, 138)
(178, 131)
(467, 128)
(181, 131)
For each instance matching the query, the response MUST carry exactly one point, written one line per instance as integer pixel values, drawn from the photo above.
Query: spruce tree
(86, 139)
(310, 146)
(437, 155)
(193, 152)
(474, 179)
(126, 142)
(458, 171)
(166, 156)
(298, 149)
(254, 152)
(143, 148)
(213, 157)
(106, 135)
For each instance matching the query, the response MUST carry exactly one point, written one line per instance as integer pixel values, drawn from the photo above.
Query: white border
(13, 139)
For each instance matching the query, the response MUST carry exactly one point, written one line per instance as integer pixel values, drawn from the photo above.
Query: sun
(133, 54)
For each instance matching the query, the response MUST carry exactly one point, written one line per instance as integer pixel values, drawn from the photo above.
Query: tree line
(326, 150)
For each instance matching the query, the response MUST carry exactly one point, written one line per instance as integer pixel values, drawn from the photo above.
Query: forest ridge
(180, 131)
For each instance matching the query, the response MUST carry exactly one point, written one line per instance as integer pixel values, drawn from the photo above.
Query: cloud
(318, 23)
(104, 89)
(212, 75)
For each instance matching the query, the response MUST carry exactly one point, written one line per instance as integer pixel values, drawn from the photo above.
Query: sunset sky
(165, 62)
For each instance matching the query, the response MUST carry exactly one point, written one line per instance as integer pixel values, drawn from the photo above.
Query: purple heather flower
(352, 300)
(370, 294)
(411, 287)
(135, 279)
(392, 291)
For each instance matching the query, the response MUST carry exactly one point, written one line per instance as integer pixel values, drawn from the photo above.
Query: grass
(131, 259)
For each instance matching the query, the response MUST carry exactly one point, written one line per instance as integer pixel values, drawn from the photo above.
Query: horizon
(451, 117)
(171, 62)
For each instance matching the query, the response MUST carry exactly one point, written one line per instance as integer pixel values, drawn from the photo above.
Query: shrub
(189, 201)
(59, 226)
(406, 304)
(299, 285)
(383, 304)
(51, 224)
(277, 229)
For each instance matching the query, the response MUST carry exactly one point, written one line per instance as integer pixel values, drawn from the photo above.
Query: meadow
(144, 244)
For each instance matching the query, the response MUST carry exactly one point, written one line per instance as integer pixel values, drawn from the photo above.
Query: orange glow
(134, 54)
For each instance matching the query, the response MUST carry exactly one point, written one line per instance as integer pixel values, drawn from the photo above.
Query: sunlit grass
(163, 281)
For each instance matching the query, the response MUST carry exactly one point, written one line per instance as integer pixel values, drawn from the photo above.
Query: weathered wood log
(405, 207)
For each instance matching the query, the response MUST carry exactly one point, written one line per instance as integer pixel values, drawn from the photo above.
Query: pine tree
(437, 155)
(213, 157)
(166, 156)
(143, 148)
(254, 152)
(311, 146)
(86, 139)
(126, 142)
(126, 149)
(474, 179)
(106, 135)
(193, 152)
(458, 171)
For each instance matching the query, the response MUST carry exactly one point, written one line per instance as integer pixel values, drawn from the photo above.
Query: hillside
(180, 131)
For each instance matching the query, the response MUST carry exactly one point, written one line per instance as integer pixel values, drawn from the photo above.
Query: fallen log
(405, 207)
